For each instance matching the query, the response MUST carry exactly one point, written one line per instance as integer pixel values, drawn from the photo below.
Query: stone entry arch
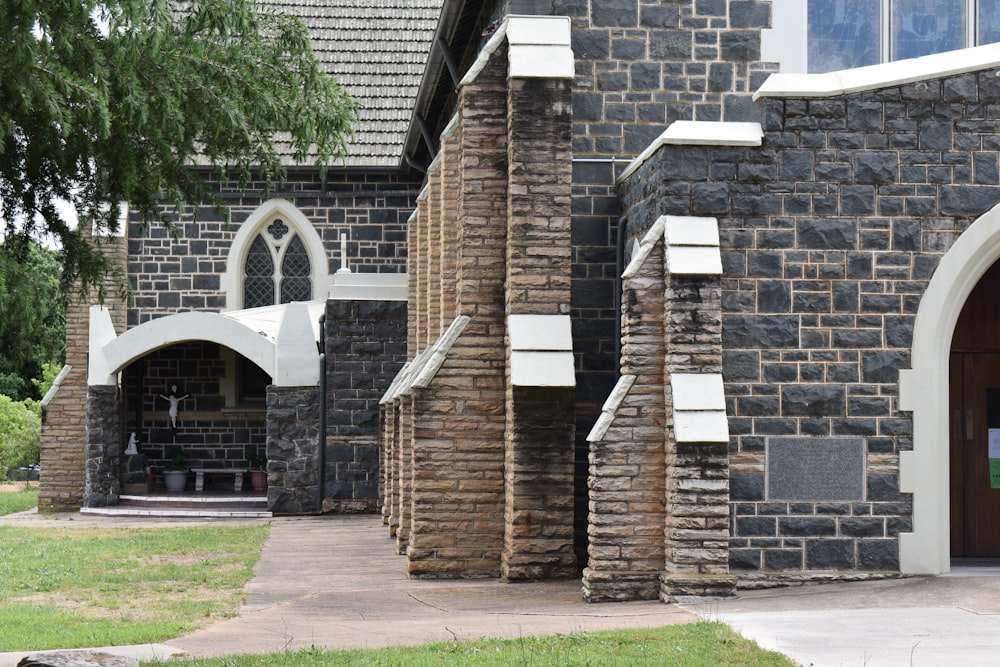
(923, 389)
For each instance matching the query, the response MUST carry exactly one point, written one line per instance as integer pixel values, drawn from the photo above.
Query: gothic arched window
(277, 268)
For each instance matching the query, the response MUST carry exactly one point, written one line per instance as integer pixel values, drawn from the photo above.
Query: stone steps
(187, 506)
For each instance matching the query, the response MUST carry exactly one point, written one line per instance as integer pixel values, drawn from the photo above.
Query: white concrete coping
(541, 62)
(296, 355)
(540, 332)
(54, 388)
(692, 231)
(698, 391)
(692, 245)
(701, 426)
(540, 47)
(698, 133)
(541, 350)
(610, 407)
(369, 287)
(646, 245)
(699, 406)
(100, 370)
(281, 340)
(691, 261)
(450, 128)
(266, 320)
(542, 369)
(884, 75)
(434, 356)
(538, 30)
(390, 394)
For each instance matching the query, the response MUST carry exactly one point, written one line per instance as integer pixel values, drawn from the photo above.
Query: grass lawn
(17, 498)
(692, 645)
(85, 587)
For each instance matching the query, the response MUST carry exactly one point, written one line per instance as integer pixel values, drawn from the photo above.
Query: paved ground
(337, 582)
(913, 622)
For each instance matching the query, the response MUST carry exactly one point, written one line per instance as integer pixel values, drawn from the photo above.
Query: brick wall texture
(490, 237)
(64, 424)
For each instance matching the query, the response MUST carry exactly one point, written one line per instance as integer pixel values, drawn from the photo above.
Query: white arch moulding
(231, 282)
(923, 389)
(110, 354)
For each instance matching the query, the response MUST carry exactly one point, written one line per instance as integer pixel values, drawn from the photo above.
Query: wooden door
(975, 499)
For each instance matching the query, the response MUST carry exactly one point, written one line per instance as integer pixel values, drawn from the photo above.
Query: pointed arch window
(277, 268)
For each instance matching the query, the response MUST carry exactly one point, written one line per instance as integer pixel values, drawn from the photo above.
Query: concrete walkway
(337, 582)
(952, 619)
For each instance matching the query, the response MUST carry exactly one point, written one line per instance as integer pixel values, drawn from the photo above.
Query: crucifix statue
(174, 402)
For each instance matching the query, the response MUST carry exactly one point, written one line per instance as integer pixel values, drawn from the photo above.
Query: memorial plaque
(816, 469)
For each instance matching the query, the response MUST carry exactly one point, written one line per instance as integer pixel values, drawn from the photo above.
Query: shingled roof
(376, 50)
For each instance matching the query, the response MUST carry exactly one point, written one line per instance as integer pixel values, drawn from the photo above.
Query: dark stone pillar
(292, 449)
(538, 476)
(365, 348)
(103, 456)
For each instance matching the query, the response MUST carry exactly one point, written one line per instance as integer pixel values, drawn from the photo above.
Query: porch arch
(923, 389)
(150, 336)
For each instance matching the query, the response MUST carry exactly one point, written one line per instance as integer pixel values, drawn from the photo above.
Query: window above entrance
(276, 257)
(277, 269)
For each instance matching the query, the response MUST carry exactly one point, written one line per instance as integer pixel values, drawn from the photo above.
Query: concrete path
(337, 582)
(952, 619)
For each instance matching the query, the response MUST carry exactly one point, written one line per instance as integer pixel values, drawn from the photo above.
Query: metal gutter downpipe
(321, 464)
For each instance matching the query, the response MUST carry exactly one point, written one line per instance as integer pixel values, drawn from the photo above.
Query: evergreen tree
(111, 101)
(32, 320)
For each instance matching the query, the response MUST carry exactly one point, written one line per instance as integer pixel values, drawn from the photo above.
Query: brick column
(387, 443)
(697, 528)
(458, 420)
(627, 460)
(540, 428)
(451, 192)
(403, 487)
(64, 422)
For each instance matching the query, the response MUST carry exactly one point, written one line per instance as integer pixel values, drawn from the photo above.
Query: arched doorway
(924, 390)
(974, 417)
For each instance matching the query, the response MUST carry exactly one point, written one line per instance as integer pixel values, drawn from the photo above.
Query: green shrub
(20, 433)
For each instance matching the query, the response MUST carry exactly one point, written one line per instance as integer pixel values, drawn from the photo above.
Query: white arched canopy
(280, 340)
(923, 389)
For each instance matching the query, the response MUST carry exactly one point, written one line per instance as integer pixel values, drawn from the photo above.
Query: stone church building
(669, 296)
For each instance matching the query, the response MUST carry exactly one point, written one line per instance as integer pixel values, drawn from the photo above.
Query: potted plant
(175, 476)
(258, 472)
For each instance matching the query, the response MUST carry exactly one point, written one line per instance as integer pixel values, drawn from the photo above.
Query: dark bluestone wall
(169, 275)
(365, 348)
(830, 232)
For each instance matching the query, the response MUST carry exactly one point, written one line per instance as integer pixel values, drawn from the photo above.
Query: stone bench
(199, 479)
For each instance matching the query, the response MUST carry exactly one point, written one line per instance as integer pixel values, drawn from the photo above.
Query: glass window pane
(989, 21)
(922, 27)
(295, 269)
(843, 34)
(258, 282)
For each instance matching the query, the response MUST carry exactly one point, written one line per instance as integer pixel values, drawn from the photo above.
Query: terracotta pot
(258, 480)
